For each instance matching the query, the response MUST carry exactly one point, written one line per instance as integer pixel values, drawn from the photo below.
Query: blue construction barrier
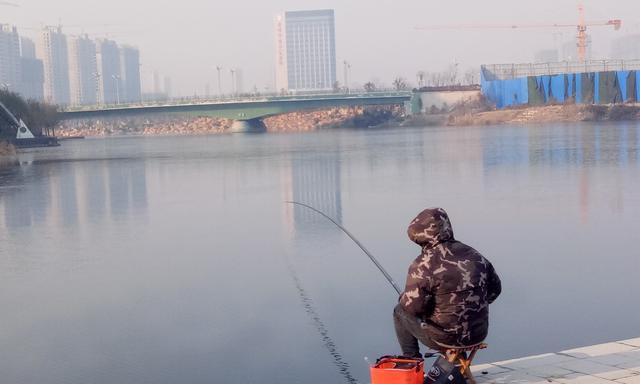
(607, 87)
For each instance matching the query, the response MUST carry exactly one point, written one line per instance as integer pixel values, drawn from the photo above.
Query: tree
(336, 87)
(452, 74)
(399, 84)
(471, 77)
(370, 87)
(36, 115)
(420, 77)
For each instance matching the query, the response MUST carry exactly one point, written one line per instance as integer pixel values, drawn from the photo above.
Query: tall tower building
(10, 77)
(32, 71)
(239, 79)
(130, 73)
(305, 50)
(83, 71)
(27, 48)
(110, 83)
(168, 89)
(52, 49)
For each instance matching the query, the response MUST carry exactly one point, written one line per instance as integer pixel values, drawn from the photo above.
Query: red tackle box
(397, 370)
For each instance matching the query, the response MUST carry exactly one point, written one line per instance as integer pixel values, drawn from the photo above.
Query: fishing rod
(358, 243)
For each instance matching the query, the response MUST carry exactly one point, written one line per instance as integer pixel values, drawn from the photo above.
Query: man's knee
(396, 309)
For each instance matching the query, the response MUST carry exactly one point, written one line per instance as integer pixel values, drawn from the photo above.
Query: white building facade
(110, 82)
(83, 71)
(52, 49)
(305, 51)
(130, 73)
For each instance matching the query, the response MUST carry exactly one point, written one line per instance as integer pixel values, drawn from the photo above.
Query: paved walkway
(609, 363)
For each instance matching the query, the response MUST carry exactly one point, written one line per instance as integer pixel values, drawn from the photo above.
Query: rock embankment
(157, 125)
(204, 125)
(547, 114)
(7, 149)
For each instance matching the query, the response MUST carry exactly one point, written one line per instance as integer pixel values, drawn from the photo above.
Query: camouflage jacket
(450, 285)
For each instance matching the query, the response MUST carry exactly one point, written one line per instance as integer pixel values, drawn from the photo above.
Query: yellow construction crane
(581, 26)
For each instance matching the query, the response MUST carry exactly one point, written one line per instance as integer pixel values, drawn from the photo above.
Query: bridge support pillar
(248, 126)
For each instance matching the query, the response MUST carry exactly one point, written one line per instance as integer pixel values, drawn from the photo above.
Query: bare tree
(452, 74)
(435, 79)
(336, 86)
(420, 76)
(400, 84)
(370, 87)
(471, 77)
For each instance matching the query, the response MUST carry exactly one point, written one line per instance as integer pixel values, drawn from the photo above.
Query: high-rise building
(305, 50)
(626, 47)
(108, 58)
(168, 89)
(239, 81)
(52, 50)
(31, 71)
(546, 56)
(83, 71)
(10, 77)
(130, 73)
(156, 87)
(27, 48)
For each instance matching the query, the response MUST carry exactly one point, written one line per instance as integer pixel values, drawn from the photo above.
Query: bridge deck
(243, 110)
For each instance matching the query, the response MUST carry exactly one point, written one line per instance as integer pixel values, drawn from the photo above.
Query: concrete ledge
(608, 363)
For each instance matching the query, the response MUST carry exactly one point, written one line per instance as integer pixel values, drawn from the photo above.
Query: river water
(175, 260)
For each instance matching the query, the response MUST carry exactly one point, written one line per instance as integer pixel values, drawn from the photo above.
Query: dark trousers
(409, 331)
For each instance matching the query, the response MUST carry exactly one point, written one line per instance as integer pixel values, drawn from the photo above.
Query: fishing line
(343, 367)
(358, 243)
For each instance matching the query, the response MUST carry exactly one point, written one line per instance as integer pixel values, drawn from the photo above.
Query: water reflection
(71, 193)
(314, 180)
(560, 145)
(127, 188)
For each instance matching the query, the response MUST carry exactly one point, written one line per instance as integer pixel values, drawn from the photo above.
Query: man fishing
(448, 291)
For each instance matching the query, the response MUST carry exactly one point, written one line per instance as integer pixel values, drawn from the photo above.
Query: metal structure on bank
(23, 136)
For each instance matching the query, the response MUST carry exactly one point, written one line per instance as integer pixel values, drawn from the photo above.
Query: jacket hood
(430, 227)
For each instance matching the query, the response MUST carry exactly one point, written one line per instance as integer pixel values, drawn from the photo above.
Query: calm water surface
(174, 259)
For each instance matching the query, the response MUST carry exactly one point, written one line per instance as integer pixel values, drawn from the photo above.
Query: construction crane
(581, 38)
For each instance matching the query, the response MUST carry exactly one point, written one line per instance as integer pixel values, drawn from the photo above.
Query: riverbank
(7, 149)
(162, 125)
(467, 114)
(566, 113)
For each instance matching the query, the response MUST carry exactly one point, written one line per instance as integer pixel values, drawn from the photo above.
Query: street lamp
(116, 79)
(233, 81)
(347, 67)
(219, 68)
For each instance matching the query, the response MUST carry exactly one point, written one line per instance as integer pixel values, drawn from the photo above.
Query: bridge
(247, 114)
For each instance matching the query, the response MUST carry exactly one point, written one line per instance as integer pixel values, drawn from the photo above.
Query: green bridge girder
(243, 110)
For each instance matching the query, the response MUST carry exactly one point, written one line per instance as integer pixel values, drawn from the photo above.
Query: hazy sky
(185, 39)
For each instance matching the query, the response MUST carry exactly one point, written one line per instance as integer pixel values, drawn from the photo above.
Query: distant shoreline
(565, 113)
(461, 115)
